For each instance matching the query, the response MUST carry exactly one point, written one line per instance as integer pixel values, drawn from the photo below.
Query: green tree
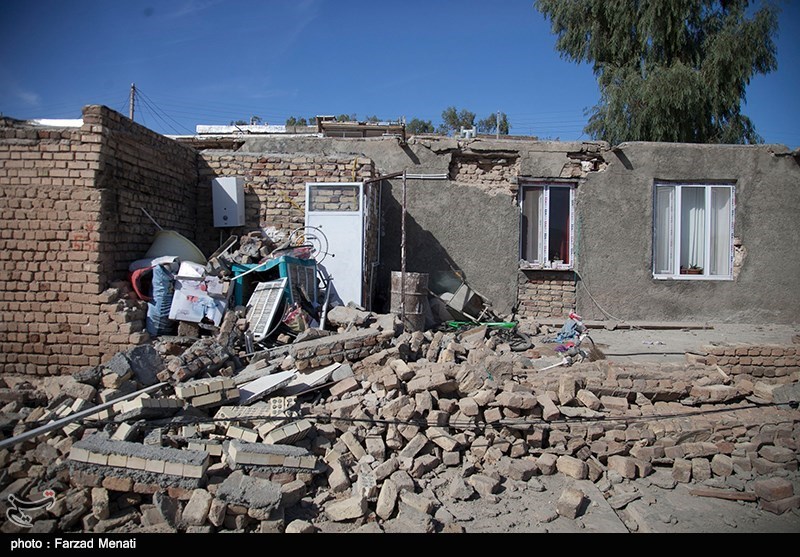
(293, 122)
(489, 124)
(346, 118)
(453, 120)
(668, 70)
(417, 126)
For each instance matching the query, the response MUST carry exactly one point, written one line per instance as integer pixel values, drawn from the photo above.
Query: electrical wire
(152, 103)
(466, 425)
(583, 283)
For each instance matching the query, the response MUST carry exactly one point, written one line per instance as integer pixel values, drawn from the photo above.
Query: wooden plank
(723, 494)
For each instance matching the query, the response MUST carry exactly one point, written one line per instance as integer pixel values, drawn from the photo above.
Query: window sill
(524, 266)
(688, 277)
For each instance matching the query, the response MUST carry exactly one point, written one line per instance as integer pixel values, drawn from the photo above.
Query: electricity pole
(131, 103)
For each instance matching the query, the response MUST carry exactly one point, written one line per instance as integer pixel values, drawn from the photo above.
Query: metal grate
(263, 306)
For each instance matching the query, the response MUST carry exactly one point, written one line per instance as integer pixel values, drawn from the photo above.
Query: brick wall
(70, 201)
(497, 174)
(546, 294)
(49, 238)
(755, 360)
(275, 187)
(140, 169)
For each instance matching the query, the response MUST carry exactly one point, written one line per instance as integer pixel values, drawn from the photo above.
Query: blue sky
(214, 61)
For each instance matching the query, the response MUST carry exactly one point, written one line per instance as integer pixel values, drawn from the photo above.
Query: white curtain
(693, 241)
(532, 207)
(664, 257)
(720, 231)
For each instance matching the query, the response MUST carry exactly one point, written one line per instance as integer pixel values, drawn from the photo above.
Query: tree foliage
(417, 126)
(489, 124)
(668, 70)
(453, 120)
(292, 121)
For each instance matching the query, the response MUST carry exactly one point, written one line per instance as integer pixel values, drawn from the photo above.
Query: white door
(338, 210)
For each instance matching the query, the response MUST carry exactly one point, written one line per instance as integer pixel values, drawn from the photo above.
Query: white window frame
(674, 226)
(544, 226)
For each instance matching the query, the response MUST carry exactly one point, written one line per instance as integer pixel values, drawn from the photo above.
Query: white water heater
(227, 194)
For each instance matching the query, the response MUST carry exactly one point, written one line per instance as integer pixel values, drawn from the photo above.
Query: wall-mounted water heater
(227, 194)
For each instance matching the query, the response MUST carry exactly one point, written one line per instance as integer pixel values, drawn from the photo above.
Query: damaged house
(636, 232)
(213, 321)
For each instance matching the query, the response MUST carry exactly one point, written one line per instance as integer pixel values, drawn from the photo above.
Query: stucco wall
(615, 220)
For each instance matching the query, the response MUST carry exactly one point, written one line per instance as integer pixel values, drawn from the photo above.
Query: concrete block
(493, 415)
(442, 438)
(403, 480)
(571, 503)
(418, 502)
(781, 505)
(387, 499)
(344, 386)
(100, 503)
(701, 469)
(618, 404)
(549, 410)
(292, 493)
(547, 463)
(424, 464)
(216, 512)
(773, 489)
(469, 406)
(624, 466)
(567, 389)
(777, 454)
(347, 509)
(588, 399)
(517, 469)
(414, 446)
(484, 485)
(451, 458)
(195, 513)
(353, 445)
(338, 479)
(459, 490)
(386, 469)
(572, 467)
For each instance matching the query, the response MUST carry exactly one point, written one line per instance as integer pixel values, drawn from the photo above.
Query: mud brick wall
(498, 174)
(70, 200)
(140, 169)
(349, 347)
(275, 188)
(756, 360)
(49, 239)
(546, 294)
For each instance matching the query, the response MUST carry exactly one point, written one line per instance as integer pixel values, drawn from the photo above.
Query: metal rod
(152, 219)
(58, 424)
(403, 258)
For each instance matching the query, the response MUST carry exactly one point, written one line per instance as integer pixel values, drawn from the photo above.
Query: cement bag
(158, 321)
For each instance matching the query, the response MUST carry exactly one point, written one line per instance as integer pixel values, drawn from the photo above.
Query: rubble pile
(371, 427)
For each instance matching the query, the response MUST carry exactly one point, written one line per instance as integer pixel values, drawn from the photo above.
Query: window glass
(531, 224)
(333, 198)
(558, 245)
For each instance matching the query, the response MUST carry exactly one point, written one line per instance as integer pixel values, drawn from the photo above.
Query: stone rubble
(412, 423)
